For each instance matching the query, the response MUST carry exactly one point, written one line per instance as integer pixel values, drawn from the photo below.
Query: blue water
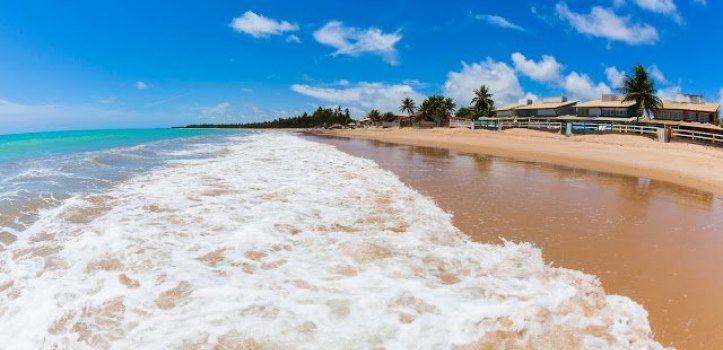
(38, 171)
(43, 144)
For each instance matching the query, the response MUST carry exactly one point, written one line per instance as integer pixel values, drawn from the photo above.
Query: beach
(269, 240)
(690, 165)
(652, 240)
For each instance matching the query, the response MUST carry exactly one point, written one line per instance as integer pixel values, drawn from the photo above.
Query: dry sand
(695, 166)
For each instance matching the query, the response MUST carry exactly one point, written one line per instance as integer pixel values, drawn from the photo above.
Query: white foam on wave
(285, 243)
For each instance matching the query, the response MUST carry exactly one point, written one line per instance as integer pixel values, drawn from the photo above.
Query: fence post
(568, 129)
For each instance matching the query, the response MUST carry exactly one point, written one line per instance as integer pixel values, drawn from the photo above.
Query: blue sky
(113, 64)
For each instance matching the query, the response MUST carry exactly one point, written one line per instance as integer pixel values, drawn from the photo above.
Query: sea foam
(280, 242)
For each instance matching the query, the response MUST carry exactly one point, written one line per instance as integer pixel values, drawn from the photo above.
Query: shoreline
(690, 165)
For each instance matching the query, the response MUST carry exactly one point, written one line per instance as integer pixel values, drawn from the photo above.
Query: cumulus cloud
(498, 76)
(546, 70)
(354, 41)
(604, 23)
(141, 85)
(362, 96)
(666, 7)
(499, 21)
(615, 76)
(581, 87)
(259, 26)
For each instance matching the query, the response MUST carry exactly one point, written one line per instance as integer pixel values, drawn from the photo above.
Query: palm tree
(408, 106)
(641, 89)
(482, 101)
(465, 112)
(374, 116)
(449, 105)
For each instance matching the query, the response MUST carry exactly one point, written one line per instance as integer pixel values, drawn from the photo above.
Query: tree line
(319, 118)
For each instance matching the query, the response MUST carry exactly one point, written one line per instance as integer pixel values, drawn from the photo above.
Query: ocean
(196, 239)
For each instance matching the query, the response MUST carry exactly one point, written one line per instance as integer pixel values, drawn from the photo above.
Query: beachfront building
(689, 108)
(608, 106)
(548, 108)
(510, 111)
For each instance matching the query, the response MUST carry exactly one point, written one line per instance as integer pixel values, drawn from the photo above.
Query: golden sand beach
(690, 165)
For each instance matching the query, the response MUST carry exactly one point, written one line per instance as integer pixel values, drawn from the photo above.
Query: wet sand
(658, 243)
(685, 164)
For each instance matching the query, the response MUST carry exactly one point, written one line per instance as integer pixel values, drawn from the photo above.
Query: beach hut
(510, 111)
(689, 108)
(548, 108)
(608, 106)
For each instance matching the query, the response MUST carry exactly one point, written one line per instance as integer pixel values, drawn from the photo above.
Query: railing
(698, 136)
(635, 129)
(455, 123)
(595, 127)
(535, 124)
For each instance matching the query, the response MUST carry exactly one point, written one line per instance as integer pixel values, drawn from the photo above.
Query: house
(549, 107)
(510, 111)
(609, 106)
(689, 108)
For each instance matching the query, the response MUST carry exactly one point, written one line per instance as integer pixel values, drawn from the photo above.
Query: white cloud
(353, 41)
(546, 70)
(498, 76)
(670, 93)
(666, 7)
(720, 96)
(362, 96)
(293, 39)
(499, 21)
(657, 74)
(604, 23)
(259, 26)
(701, 2)
(581, 87)
(615, 76)
(141, 85)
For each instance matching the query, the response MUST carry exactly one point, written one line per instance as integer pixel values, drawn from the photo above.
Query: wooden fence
(579, 127)
(697, 136)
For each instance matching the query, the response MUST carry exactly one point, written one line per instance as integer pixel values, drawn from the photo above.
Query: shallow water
(272, 241)
(658, 243)
(38, 171)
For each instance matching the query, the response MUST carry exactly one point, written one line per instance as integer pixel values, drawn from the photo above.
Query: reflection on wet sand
(658, 243)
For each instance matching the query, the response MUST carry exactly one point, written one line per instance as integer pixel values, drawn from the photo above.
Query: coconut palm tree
(374, 116)
(449, 105)
(482, 101)
(640, 88)
(408, 106)
(465, 112)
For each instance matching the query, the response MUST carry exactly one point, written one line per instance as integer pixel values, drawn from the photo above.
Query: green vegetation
(408, 106)
(482, 102)
(466, 113)
(435, 106)
(641, 89)
(320, 118)
(374, 116)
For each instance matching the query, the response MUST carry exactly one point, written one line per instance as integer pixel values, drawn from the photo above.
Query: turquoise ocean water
(40, 170)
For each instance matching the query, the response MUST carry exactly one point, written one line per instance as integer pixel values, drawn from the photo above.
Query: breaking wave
(279, 242)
